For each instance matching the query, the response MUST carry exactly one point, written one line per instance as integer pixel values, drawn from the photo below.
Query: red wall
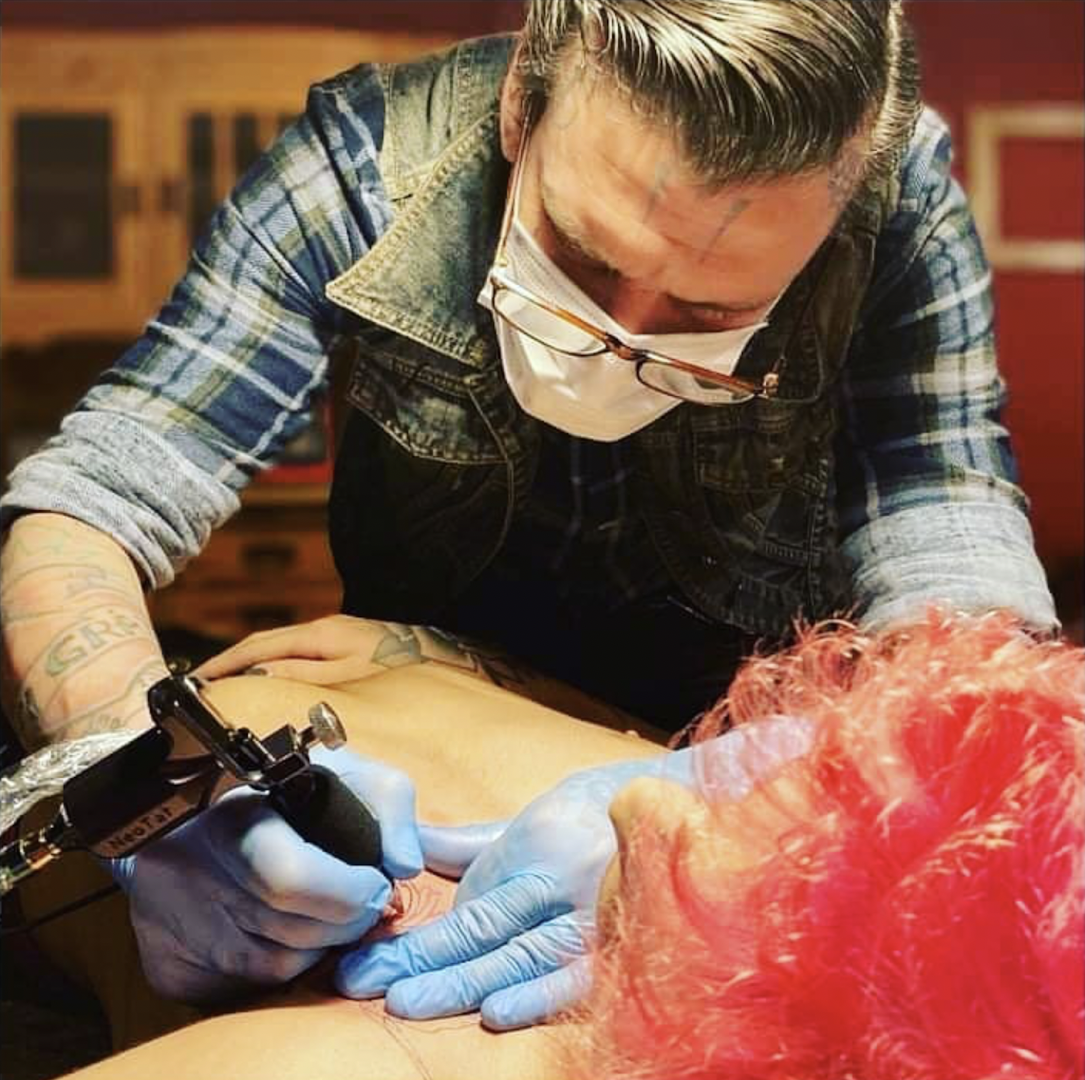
(1013, 52)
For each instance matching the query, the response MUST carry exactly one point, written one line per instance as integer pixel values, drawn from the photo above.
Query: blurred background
(123, 123)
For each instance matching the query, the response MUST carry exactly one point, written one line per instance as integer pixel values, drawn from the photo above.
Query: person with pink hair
(875, 872)
(902, 902)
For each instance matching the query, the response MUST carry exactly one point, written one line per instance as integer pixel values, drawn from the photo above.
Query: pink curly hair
(906, 902)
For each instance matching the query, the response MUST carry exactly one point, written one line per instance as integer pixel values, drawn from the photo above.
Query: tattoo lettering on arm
(90, 637)
(64, 671)
(75, 629)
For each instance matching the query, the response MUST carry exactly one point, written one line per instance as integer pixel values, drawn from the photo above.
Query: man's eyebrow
(570, 237)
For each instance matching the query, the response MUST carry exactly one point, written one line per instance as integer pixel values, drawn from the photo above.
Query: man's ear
(512, 108)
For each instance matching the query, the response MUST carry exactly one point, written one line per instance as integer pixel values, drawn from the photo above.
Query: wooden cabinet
(115, 149)
(72, 148)
(268, 567)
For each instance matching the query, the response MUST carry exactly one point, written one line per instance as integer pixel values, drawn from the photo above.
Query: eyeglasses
(568, 333)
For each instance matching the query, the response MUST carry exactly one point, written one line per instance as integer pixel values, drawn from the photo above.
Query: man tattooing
(670, 328)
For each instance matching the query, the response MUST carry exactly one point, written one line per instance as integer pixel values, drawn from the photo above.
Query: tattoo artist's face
(608, 199)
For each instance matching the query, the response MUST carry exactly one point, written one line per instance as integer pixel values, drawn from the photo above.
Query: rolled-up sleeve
(927, 495)
(223, 377)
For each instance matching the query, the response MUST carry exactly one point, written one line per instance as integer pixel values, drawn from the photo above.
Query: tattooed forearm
(59, 583)
(117, 711)
(75, 628)
(89, 637)
(74, 680)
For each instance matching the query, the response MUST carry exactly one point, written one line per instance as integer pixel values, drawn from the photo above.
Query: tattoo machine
(189, 759)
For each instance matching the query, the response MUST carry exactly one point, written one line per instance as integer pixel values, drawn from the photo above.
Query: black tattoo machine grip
(323, 810)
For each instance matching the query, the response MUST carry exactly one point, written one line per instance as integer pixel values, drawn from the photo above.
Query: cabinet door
(72, 146)
(223, 95)
(115, 149)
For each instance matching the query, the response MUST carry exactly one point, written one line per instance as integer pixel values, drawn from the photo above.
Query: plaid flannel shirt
(159, 449)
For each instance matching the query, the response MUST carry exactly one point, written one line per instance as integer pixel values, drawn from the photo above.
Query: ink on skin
(109, 715)
(738, 207)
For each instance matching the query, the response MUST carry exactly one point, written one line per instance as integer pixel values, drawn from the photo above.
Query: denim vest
(438, 456)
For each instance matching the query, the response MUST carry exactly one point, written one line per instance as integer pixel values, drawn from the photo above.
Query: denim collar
(448, 179)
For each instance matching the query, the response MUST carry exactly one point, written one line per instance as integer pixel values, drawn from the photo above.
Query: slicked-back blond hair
(752, 88)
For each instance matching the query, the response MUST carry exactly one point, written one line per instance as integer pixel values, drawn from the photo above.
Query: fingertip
(346, 980)
(502, 1014)
(538, 1001)
(427, 997)
(402, 854)
(376, 888)
(398, 1002)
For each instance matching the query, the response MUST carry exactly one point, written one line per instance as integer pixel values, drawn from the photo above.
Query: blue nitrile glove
(514, 943)
(235, 898)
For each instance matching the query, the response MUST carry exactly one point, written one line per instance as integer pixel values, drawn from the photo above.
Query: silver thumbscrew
(325, 727)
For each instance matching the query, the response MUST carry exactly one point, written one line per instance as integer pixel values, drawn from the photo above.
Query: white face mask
(597, 397)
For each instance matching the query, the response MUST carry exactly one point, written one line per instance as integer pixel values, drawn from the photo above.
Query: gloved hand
(524, 910)
(515, 941)
(235, 897)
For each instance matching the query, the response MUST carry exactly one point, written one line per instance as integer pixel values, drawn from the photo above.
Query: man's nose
(637, 309)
